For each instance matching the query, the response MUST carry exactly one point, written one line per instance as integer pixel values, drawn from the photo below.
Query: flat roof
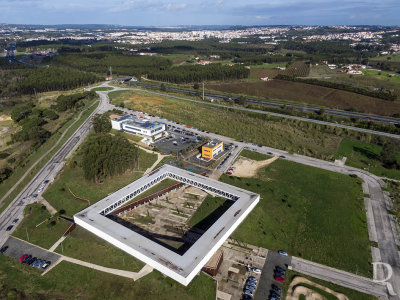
(181, 268)
(212, 144)
(137, 121)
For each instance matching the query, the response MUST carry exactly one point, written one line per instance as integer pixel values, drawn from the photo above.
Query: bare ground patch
(296, 289)
(245, 167)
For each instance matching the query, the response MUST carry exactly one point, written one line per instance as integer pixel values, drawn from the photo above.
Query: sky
(201, 12)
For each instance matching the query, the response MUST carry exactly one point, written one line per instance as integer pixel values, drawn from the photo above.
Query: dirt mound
(245, 167)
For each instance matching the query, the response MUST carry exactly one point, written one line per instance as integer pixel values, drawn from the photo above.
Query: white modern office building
(180, 267)
(139, 125)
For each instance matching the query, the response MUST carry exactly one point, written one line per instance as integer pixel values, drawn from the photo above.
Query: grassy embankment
(71, 125)
(311, 213)
(366, 156)
(69, 281)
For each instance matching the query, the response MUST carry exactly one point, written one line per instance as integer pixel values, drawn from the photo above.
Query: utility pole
(203, 90)
(110, 72)
(27, 235)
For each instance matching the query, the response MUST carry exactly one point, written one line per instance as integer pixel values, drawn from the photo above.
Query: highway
(48, 172)
(282, 104)
(387, 247)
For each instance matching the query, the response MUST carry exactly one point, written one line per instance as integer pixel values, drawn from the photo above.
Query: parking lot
(267, 277)
(176, 142)
(17, 248)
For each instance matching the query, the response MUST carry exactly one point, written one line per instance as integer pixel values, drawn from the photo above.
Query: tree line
(104, 156)
(198, 73)
(382, 94)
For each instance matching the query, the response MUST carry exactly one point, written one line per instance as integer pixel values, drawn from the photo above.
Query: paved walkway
(49, 207)
(56, 244)
(128, 274)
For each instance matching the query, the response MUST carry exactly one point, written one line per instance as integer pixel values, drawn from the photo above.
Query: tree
(389, 155)
(196, 86)
(101, 123)
(162, 87)
(20, 112)
(241, 100)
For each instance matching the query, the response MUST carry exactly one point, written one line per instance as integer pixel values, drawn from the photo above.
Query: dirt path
(294, 291)
(245, 167)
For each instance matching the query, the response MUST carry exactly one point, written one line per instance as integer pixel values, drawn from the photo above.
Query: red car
(228, 173)
(279, 278)
(23, 257)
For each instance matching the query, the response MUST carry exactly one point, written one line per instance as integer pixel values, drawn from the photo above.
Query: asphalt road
(342, 278)
(48, 172)
(281, 104)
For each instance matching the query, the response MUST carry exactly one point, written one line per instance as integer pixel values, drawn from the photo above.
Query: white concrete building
(138, 125)
(180, 267)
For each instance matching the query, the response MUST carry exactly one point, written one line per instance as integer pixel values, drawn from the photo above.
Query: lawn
(81, 243)
(71, 178)
(69, 281)
(254, 155)
(365, 156)
(287, 134)
(45, 234)
(311, 213)
(351, 294)
(102, 89)
(208, 212)
(130, 136)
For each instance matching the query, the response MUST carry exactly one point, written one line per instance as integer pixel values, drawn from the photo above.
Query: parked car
(28, 258)
(9, 227)
(15, 221)
(256, 270)
(248, 292)
(275, 295)
(279, 273)
(4, 249)
(282, 156)
(250, 288)
(246, 297)
(23, 257)
(252, 278)
(276, 288)
(46, 265)
(279, 278)
(280, 269)
(252, 283)
(282, 252)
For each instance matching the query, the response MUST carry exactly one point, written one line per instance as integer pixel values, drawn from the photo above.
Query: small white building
(139, 125)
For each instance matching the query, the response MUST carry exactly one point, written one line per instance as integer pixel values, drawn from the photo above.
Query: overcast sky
(201, 12)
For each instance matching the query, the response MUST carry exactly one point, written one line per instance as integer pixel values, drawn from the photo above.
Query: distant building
(215, 56)
(138, 125)
(265, 78)
(212, 149)
(204, 62)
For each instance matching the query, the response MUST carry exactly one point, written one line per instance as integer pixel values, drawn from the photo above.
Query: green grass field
(287, 134)
(45, 234)
(311, 213)
(130, 136)
(72, 177)
(80, 244)
(102, 89)
(393, 57)
(351, 294)
(69, 281)
(365, 156)
(254, 155)
(208, 212)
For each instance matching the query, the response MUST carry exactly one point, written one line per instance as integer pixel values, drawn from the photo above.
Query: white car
(281, 252)
(256, 270)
